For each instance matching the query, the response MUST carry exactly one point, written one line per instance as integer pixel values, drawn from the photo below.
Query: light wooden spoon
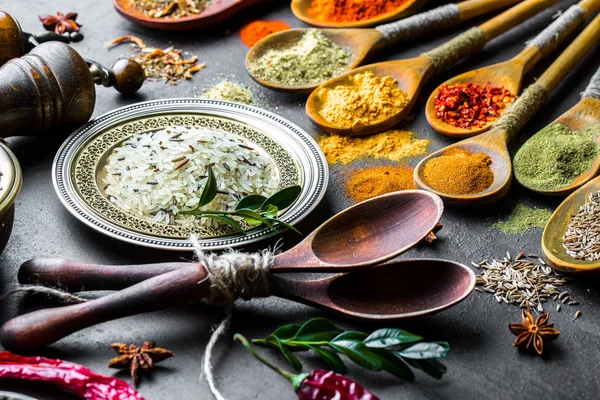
(412, 74)
(552, 247)
(509, 74)
(495, 142)
(363, 43)
(583, 114)
(300, 10)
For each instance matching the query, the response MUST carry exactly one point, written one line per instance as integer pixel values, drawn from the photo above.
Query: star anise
(533, 333)
(136, 358)
(60, 23)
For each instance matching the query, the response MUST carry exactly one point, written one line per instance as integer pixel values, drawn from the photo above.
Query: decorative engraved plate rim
(310, 161)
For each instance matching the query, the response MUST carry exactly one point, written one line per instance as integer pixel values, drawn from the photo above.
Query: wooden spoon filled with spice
(566, 154)
(478, 170)
(281, 60)
(569, 241)
(376, 97)
(468, 104)
(180, 15)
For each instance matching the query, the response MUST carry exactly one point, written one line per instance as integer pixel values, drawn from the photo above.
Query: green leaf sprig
(254, 209)
(388, 349)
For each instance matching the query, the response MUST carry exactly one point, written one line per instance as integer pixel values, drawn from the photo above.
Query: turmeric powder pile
(367, 99)
(365, 183)
(393, 145)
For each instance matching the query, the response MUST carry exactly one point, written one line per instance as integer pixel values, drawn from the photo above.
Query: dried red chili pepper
(67, 376)
(471, 105)
(317, 385)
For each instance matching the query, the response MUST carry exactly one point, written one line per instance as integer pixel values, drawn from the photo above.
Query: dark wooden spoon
(401, 289)
(214, 13)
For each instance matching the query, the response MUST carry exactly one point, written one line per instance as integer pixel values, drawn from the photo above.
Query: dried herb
(136, 358)
(532, 334)
(167, 65)
(318, 384)
(229, 91)
(522, 218)
(170, 8)
(60, 23)
(254, 209)
(388, 349)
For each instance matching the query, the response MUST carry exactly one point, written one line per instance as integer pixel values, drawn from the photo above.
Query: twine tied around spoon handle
(550, 38)
(593, 88)
(421, 24)
(449, 53)
(521, 111)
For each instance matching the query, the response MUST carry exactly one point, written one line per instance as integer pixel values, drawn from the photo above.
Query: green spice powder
(312, 59)
(230, 91)
(555, 156)
(522, 218)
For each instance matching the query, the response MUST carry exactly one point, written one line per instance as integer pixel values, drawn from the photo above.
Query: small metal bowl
(10, 185)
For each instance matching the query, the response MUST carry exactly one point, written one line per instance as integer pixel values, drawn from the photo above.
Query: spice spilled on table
(256, 30)
(230, 91)
(365, 183)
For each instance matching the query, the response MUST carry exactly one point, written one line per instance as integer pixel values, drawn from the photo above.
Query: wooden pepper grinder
(14, 42)
(53, 86)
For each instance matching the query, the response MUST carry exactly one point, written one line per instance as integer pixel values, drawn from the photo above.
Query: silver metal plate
(79, 163)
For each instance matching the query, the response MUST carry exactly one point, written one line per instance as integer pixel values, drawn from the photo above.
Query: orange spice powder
(254, 31)
(351, 10)
(365, 183)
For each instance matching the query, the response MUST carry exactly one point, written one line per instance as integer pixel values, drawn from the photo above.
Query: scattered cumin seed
(577, 315)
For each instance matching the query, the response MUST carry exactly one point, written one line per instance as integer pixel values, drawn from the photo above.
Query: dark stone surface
(482, 362)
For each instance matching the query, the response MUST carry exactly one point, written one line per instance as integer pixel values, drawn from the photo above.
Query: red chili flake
(471, 105)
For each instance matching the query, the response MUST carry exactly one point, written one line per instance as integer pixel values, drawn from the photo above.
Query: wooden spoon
(412, 74)
(300, 10)
(583, 114)
(214, 13)
(509, 74)
(363, 43)
(396, 290)
(495, 142)
(554, 252)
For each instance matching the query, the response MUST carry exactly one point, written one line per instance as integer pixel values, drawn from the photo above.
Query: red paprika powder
(468, 105)
(254, 31)
(351, 10)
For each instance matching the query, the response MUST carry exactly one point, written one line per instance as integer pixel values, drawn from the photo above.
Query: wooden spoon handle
(43, 327)
(593, 88)
(73, 276)
(474, 39)
(550, 38)
(443, 17)
(571, 56)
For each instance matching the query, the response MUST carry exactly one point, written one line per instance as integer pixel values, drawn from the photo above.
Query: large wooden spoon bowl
(554, 252)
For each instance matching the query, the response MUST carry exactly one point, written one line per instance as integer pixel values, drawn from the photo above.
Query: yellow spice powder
(393, 145)
(366, 100)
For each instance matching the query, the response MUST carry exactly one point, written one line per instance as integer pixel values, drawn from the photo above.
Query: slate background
(482, 363)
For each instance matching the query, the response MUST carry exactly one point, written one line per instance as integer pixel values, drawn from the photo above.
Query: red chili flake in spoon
(469, 105)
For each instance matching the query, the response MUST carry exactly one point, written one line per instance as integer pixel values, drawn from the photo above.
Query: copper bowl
(10, 185)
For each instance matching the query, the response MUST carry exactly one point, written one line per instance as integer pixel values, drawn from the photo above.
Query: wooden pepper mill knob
(53, 86)
(14, 42)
